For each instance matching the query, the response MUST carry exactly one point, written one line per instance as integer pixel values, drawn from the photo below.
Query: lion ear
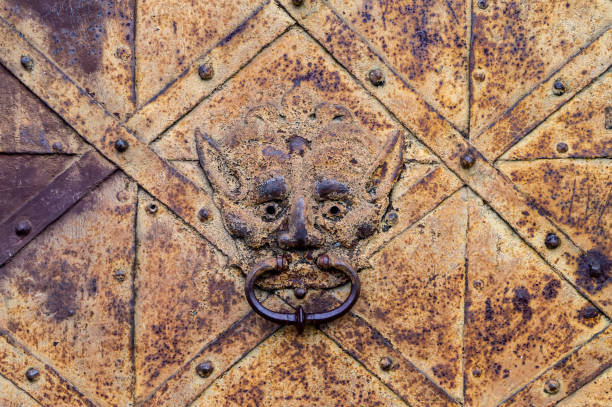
(221, 176)
(386, 168)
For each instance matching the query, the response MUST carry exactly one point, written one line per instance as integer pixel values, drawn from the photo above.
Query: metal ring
(300, 318)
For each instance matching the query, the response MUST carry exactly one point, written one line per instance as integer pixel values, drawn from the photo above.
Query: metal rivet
(32, 374)
(204, 369)
(467, 160)
(482, 4)
(206, 71)
(57, 146)
(562, 147)
(386, 363)
(121, 145)
(477, 284)
(479, 76)
(152, 208)
(204, 214)
(608, 117)
(27, 63)
(559, 87)
(23, 227)
(120, 275)
(594, 268)
(391, 219)
(298, 3)
(589, 312)
(376, 77)
(552, 241)
(300, 292)
(552, 386)
(71, 312)
(476, 372)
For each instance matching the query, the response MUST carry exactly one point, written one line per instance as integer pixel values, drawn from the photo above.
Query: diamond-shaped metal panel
(452, 157)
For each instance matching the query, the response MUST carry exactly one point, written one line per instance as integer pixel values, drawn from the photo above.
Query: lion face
(323, 190)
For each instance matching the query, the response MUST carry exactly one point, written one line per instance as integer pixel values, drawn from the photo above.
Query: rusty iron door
(306, 203)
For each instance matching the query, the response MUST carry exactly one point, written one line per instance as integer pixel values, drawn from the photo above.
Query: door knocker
(301, 188)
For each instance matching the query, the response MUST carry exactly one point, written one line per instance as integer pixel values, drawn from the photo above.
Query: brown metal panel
(415, 37)
(186, 295)
(484, 282)
(12, 396)
(520, 316)
(28, 126)
(518, 44)
(61, 297)
(297, 370)
(93, 41)
(579, 129)
(172, 35)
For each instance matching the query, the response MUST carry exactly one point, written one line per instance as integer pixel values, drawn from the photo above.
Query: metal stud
(467, 160)
(562, 147)
(204, 369)
(204, 214)
(57, 146)
(152, 208)
(552, 386)
(386, 363)
(23, 228)
(391, 219)
(206, 71)
(120, 275)
(121, 145)
(559, 87)
(27, 63)
(300, 292)
(476, 372)
(479, 76)
(482, 4)
(32, 374)
(552, 241)
(298, 3)
(594, 268)
(376, 77)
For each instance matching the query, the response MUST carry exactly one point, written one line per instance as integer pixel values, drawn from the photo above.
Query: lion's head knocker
(300, 195)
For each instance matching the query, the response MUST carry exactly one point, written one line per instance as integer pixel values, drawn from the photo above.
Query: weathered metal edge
(101, 129)
(189, 89)
(53, 201)
(578, 369)
(526, 218)
(352, 323)
(182, 383)
(48, 387)
(537, 105)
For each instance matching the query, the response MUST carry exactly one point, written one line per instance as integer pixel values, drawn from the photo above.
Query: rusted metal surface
(514, 51)
(186, 295)
(226, 58)
(426, 42)
(580, 125)
(296, 370)
(49, 389)
(61, 301)
(575, 193)
(93, 41)
(28, 126)
(12, 396)
(367, 130)
(572, 373)
(51, 201)
(520, 316)
(172, 36)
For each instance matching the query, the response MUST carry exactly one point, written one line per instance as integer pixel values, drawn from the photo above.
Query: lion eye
(334, 210)
(271, 211)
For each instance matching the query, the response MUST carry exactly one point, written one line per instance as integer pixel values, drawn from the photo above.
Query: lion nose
(300, 233)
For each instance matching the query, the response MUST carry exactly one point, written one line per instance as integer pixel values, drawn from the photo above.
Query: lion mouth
(302, 270)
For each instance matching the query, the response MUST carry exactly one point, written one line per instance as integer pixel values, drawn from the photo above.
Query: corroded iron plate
(455, 155)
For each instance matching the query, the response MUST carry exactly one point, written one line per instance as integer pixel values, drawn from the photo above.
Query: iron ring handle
(300, 318)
